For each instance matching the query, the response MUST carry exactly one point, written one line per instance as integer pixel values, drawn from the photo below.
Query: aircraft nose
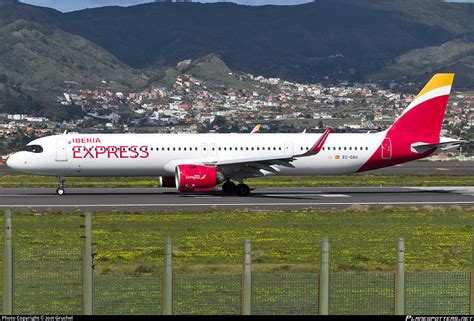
(14, 161)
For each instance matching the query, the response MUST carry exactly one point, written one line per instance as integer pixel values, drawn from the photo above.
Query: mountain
(334, 38)
(35, 55)
(210, 70)
(40, 48)
(39, 60)
(453, 56)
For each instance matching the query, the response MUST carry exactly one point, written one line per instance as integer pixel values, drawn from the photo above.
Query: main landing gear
(60, 190)
(240, 189)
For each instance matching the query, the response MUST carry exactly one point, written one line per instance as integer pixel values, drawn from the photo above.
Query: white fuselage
(159, 154)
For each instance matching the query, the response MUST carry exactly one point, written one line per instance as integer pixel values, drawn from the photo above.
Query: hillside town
(191, 105)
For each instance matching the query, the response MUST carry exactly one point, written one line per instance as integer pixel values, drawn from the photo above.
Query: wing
(252, 167)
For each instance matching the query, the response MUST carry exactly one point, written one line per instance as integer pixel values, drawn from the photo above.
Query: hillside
(453, 56)
(334, 38)
(210, 70)
(356, 40)
(37, 56)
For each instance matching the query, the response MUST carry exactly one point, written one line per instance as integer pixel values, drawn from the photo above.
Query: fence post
(400, 278)
(246, 306)
(167, 305)
(471, 306)
(87, 267)
(8, 264)
(324, 278)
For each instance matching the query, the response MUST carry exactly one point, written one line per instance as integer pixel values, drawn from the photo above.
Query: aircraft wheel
(242, 190)
(228, 187)
(60, 191)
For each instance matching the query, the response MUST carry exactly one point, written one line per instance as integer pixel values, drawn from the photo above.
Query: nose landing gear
(60, 190)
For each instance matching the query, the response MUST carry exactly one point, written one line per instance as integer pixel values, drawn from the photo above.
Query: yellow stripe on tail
(437, 81)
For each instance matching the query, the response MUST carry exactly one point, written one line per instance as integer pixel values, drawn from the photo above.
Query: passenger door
(387, 149)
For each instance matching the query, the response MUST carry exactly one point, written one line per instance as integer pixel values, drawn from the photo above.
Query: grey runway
(155, 199)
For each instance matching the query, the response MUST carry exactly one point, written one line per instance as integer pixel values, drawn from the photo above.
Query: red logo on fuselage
(83, 140)
(110, 152)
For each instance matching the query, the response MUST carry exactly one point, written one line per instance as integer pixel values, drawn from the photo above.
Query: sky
(71, 5)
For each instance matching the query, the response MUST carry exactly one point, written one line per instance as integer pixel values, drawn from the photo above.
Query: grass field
(362, 238)
(207, 258)
(363, 179)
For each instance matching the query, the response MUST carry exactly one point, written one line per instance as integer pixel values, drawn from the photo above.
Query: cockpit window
(34, 149)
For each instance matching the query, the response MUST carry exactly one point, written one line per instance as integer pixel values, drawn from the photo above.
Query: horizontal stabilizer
(445, 144)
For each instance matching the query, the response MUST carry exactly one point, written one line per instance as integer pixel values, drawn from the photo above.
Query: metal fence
(61, 280)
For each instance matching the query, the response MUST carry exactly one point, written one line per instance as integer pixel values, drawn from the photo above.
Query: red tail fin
(420, 123)
(424, 116)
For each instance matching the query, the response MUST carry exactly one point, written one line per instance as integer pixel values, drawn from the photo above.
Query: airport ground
(411, 184)
(285, 223)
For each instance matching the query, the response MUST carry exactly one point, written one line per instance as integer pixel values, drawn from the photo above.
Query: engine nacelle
(167, 181)
(197, 178)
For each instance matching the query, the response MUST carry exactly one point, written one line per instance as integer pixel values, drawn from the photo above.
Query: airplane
(200, 162)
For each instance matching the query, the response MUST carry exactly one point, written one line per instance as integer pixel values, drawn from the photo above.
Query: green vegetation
(207, 256)
(22, 180)
(362, 239)
(339, 39)
(210, 70)
(454, 56)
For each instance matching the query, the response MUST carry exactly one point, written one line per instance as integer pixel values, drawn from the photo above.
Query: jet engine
(197, 178)
(167, 181)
